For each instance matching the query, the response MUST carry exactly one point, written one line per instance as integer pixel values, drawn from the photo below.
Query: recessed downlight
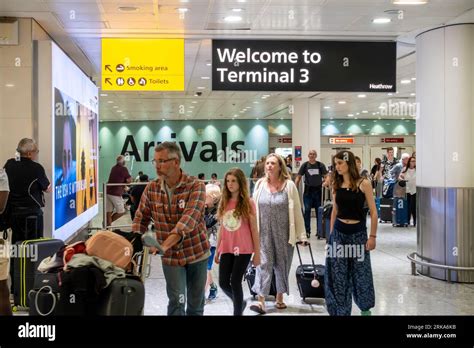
(233, 19)
(381, 20)
(409, 2)
(341, 102)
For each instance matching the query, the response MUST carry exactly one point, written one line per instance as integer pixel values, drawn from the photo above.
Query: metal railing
(413, 258)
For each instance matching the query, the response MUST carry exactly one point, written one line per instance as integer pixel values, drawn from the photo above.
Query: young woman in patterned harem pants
(348, 268)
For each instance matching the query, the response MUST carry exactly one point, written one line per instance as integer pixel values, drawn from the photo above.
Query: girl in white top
(409, 175)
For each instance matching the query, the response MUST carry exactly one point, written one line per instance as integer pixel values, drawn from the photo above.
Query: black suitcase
(323, 217)
(124, 296)
(306, 274)
(250, 278)
(386, 206)
(25, 265)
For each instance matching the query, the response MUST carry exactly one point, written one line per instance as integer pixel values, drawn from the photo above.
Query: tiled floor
(397, 291)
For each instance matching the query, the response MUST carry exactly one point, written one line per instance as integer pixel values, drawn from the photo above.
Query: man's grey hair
(173, 149)
(405, 156)
(26, 145)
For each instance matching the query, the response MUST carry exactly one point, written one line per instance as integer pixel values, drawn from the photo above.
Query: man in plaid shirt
(175, 203)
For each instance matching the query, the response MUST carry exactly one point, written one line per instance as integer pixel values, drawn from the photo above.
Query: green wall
(368, 127)
(194, 136)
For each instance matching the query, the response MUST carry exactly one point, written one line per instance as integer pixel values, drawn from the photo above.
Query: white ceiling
(78, 26)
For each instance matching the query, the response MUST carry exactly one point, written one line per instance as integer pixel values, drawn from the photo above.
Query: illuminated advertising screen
(75, 120)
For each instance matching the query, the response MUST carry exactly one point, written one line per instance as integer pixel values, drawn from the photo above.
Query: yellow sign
(142, 64)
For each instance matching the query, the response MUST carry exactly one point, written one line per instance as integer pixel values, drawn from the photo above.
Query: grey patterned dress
(276, 253)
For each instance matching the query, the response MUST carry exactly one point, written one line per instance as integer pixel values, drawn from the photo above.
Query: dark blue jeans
(311, 199)
(186, 285)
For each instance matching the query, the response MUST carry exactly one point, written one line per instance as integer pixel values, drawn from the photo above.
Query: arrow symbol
(107, 80)
(107, 67)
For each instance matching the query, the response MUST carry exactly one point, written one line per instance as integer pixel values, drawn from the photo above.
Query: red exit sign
(393, 140)
(341, 141)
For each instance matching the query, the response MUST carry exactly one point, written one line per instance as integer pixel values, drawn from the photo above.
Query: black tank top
(350, 204)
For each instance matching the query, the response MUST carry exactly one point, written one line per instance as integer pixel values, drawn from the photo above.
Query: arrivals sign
(341, 141)
(330, 66)
(142, 64)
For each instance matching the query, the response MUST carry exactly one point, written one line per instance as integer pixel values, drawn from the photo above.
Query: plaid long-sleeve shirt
(183, 216)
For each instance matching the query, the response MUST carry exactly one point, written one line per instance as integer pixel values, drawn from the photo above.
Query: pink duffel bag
(111, 247)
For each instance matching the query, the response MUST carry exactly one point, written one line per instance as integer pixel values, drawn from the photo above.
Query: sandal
(280, 305)
(258, 308)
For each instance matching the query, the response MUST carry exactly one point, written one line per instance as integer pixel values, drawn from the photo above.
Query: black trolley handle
(310, 253)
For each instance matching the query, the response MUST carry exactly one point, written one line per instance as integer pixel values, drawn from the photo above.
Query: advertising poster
(75, 172)
(75, 129)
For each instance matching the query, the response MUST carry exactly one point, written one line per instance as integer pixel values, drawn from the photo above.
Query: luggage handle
(50, 293)
(325, 198)
(310, 253)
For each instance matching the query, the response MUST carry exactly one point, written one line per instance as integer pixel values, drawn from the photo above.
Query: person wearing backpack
(313, 172)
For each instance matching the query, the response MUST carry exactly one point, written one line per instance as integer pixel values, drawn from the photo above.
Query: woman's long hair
(284, 175)
(354, 176)
(242, 208)
(408, 164)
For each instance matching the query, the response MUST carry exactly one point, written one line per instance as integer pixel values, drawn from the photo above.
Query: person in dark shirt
(28, 182)
(348, 268)
(118, 175)
(136, 194)
(313, 172)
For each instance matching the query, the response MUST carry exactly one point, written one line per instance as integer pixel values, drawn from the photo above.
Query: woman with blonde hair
(281, 226)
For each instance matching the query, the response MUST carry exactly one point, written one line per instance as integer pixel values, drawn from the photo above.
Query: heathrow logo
(380, 86)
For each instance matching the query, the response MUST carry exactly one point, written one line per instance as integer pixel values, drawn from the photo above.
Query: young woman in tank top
(348, 268)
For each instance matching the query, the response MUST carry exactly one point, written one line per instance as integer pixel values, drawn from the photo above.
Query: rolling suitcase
(123, 297)
(400, 212)
(310, 278)
(250, 278)
(324, 215)
(386, 206)
(25, 266)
